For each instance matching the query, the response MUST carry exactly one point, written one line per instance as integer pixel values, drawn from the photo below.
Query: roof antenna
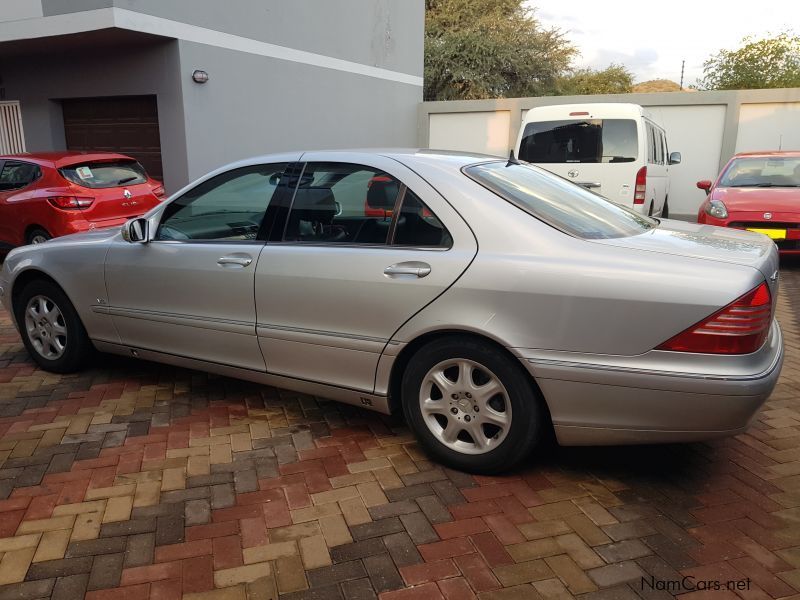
(512, 160)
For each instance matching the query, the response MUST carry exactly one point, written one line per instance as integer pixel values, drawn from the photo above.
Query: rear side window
(558, 202)
(580, 141)
(16, 175)
(97, 175)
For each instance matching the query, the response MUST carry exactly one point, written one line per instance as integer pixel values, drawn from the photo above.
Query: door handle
(411, 268)
(235, 261)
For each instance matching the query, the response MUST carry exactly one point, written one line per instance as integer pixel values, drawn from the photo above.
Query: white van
(614, 149)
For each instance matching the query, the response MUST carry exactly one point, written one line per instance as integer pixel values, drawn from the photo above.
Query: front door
(367, 243)
(189, 290)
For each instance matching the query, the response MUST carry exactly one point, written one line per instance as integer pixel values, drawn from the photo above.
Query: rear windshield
(580, 141)
(105, 174)
(558, 202)
(772, 171)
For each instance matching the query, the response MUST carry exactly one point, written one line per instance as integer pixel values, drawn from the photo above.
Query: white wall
(482, 132)
(695, 132)
(769, 126)
(707, 128)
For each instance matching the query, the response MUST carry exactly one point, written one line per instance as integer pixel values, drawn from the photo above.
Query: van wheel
(472, 407)
(650, 210)
(665, 210)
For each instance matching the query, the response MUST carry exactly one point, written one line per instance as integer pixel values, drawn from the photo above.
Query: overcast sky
(651, 38)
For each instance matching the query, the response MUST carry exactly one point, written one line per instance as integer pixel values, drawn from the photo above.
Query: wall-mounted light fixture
(199, 76)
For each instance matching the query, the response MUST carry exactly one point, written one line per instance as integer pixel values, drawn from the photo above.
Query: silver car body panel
(583, 317)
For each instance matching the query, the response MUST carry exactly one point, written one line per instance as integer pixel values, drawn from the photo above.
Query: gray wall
(255, 105)
(380, 33)
(40, 80)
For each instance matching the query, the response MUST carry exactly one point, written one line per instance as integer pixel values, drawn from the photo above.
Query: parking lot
(136, 480)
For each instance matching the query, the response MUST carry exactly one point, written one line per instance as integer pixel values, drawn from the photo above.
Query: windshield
(580, 141)
(105, 174)
(558, 202)
(765, 171)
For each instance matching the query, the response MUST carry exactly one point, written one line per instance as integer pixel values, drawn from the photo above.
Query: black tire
(527, 414)
(650, 211)
(77, 348)
(665, 210)
(38, 235)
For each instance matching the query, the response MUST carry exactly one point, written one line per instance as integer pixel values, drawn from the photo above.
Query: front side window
(228, 207)
(766, 171)
(105, 174)
(16, 175)
(558, 202)
(580, 141)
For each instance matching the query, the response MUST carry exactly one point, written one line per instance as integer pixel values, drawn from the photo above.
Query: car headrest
(382, 193)
(314, 204)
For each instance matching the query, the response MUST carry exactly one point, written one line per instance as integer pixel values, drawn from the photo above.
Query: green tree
(614, 79)
(759, 63)
(490, 49)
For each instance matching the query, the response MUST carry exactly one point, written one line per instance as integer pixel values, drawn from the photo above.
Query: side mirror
(135, 231)
(674, 158)
(704, 185)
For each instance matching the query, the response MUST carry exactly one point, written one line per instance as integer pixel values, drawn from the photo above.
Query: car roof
(765, 153)
(64, 158)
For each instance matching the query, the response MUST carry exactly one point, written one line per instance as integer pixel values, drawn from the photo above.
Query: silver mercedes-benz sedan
(487, 300)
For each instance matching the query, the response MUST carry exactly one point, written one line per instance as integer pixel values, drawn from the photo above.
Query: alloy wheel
(465, 406)
(46, 327)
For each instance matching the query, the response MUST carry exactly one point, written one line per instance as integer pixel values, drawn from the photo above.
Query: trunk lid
(122, 202)
(706, 242)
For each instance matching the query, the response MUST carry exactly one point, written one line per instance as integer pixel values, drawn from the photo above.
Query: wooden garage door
(126, 124)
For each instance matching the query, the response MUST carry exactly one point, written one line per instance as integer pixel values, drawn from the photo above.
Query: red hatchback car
(757, 191)
(51, 194)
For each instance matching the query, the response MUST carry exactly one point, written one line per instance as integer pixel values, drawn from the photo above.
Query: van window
(580, 141)
(659, 147)
(558, 202)
(651, 144)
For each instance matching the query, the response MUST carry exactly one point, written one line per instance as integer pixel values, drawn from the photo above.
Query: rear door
(599, 154)
(336, 282)
(16, 187)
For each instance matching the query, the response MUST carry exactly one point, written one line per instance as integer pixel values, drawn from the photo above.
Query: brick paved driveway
(135, 480)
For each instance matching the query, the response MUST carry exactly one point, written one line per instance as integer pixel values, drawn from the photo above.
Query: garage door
(126, 124)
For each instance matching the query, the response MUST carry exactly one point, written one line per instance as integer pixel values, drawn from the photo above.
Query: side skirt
(345, 395)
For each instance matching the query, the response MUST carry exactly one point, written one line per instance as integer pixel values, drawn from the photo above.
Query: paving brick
(336, 573)
(419, 528)
(376, 528)
(69, 587)
(56, 568)
(139, 550)
(616, 574)
(106, 571)
(429, 571)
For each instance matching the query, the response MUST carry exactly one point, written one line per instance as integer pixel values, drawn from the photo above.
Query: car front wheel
(51, 329)
(471, 406)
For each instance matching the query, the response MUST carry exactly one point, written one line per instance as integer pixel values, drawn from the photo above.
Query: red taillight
(641, 186)
(159, 192)
(70, 202)
(739, 328)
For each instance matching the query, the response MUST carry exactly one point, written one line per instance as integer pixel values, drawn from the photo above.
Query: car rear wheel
(51, 329)
(665, 210)
(38, 236)
(471, 406)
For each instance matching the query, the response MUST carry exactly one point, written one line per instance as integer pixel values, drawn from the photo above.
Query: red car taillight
(70, 202)
(641, 186)
(159, 192)
(739, 328)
